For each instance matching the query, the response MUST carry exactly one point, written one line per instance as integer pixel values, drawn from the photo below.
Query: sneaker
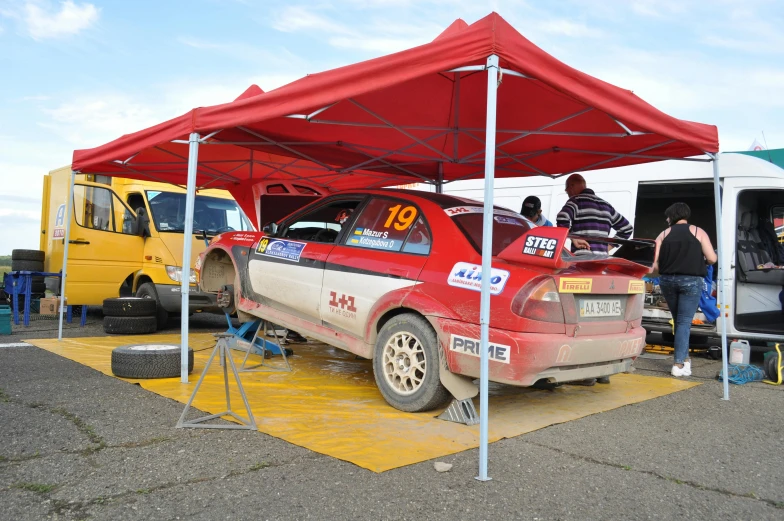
(682, 371)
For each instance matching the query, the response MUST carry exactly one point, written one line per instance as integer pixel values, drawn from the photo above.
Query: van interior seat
(751, 254)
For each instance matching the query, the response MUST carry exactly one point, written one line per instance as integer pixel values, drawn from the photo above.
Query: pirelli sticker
(575, 285)
(636, 286)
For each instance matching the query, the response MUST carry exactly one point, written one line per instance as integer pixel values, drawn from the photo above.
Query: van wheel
(406, 366)
(147, 291)
(148, 361)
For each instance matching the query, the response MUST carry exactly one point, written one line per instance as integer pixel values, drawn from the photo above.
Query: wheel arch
(217, 270)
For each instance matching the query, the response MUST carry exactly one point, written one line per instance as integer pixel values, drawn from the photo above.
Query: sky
(77, 74)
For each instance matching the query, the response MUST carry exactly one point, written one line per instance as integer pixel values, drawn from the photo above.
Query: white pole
(187, 242)
(487, 256)
(720, 276)
(66, 242)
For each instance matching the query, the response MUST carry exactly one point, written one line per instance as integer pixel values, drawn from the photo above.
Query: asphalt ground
(77, 444)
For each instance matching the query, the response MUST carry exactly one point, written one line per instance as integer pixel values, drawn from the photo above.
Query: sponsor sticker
(461, 210)
(500, 219)
(342, 304)
(469, 276)
(243, 237)
(281, 249)
(59, 223)
(574, 285)
(471, 346)
(636, 286)
(540, 246)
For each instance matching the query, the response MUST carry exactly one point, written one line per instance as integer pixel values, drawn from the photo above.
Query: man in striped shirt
(588, 215)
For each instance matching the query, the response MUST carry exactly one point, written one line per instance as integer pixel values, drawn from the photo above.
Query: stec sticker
(469, 276)
(471, 346)
(574, 285)
(540, 246)
(636, 286)
(281, 249)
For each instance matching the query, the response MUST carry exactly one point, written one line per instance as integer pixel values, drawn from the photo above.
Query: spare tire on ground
(29, 255)
(27, 265)
(129, 307)
(148, 361)
(130, 325)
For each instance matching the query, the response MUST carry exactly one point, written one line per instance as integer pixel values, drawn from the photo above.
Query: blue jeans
(682, 293)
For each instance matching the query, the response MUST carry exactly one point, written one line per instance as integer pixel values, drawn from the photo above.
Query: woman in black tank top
(681, 253)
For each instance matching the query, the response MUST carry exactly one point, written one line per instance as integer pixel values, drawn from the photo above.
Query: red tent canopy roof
(410, 116)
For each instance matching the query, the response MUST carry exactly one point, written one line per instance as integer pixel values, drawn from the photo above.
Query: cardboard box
(50, 305)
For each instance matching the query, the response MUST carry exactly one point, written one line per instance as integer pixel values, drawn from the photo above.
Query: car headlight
(175, 273)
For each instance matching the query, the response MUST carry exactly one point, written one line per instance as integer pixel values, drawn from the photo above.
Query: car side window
(322, 224)
(419, 239)
(384, 224)
(100, 209)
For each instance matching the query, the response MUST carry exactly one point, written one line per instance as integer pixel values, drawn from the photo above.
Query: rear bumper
(170, 298)
(521, 359)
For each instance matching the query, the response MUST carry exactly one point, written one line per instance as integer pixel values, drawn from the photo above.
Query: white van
(752, 191)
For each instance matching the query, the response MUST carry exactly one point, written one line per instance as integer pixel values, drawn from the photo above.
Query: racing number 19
(401, 219)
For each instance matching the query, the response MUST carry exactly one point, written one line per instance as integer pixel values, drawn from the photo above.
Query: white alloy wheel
(405, 365)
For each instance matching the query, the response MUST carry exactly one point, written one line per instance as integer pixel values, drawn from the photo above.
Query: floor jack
(247, 336)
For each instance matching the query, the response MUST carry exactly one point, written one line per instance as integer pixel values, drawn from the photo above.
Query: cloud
(36, 98)
(71, 19)
(297, 18)
(565, 27)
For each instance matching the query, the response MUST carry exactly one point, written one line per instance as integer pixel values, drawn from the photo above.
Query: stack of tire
(30, 260)
(130, 316)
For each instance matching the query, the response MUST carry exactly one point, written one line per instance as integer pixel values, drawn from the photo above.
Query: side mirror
(270, 228)
(142, 224)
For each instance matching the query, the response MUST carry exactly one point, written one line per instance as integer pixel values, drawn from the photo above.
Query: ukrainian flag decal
(358, 231)
(354, 241)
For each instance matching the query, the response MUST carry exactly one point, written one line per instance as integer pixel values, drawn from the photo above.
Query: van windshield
(508, 226)
(210, 214)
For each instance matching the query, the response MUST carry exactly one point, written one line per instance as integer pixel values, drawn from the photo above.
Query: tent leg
(187, 238)
(720, 276)
(487, 255)
(66, 242)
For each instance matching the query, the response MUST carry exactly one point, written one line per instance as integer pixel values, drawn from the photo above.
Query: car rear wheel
(405, 364)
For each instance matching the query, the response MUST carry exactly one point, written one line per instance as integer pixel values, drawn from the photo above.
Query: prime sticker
(471, 346)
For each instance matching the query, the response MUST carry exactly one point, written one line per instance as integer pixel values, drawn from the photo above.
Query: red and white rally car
(394, 276)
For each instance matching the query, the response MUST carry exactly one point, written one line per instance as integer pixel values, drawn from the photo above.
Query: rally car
(394, 276)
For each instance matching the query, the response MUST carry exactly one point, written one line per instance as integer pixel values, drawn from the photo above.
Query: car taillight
(539, 300)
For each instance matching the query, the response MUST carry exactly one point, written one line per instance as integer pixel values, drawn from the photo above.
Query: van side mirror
(142, 224)
(270, 228)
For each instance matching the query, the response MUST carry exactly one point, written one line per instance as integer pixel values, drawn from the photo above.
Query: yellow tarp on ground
(329, 403)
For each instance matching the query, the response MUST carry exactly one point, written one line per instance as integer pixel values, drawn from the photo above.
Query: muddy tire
(129, 307)
(148, 361)
(28, 255)
(147, 291)
(27, 265)
(772, 367)
(130, 325)
(406, 366)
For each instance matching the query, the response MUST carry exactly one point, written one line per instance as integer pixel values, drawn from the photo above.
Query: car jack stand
(461, 411)
(221, 348)
(262, 368)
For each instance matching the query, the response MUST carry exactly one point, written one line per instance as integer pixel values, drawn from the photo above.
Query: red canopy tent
(479, 100)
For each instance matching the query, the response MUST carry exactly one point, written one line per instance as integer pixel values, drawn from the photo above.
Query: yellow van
(126, 238)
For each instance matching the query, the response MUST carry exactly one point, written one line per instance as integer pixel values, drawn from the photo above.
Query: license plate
(600, 308)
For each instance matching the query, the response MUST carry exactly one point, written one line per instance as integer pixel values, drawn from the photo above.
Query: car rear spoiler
(544, 246)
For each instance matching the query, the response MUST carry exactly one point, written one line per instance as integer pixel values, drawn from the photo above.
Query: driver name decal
(540, 246)
(281, 249)
(471, 346)
(469, 276)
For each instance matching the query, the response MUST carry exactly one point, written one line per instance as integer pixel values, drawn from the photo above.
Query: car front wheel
(405, 364)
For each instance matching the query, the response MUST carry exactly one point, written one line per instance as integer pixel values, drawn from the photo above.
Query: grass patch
(41, 488)
(259, 466)
(4, 397)
(626, 467)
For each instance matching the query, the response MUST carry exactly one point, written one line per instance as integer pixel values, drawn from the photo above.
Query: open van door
(105, 245)
(754, 282)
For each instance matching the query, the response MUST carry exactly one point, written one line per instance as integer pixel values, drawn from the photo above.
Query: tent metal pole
(487, 256)
(720, 296)
(66, 242)
(187, 243)
(440, 181)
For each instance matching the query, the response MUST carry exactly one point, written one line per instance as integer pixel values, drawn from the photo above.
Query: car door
(103, 248)
(383, 250)
(287, 270)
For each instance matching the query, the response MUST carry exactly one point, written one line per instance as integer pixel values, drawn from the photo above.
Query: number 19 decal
(401, 219)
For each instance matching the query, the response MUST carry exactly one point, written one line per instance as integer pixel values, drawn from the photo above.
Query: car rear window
(508, 226)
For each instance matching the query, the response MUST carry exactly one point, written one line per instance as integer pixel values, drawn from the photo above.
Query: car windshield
(212, 215)
(508, 226)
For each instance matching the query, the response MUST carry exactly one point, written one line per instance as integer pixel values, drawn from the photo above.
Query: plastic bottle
(740, 352)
